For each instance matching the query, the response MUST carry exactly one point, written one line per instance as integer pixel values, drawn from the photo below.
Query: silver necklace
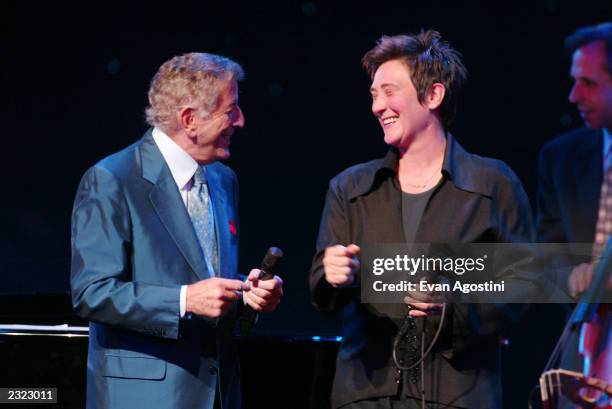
(423, 185)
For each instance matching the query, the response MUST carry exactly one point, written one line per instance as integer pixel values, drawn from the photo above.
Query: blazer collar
(588, 176)
(591, 144)
(464, 169)
(459, 166)
(151, 158)
(220, 207)
(168, 204)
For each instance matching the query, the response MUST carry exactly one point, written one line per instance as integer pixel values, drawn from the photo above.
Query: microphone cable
(424, 353)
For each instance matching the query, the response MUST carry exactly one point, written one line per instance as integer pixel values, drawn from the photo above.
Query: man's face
(396, 105)
(213, 131)
(592, 90)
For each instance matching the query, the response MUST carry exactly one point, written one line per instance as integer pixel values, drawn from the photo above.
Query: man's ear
(435, 96)
(186, 120)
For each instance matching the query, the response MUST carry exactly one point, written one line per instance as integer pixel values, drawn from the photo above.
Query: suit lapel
(168, 204)
(219, 201)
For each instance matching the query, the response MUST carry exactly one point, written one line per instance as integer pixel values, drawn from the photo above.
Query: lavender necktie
(200, 211)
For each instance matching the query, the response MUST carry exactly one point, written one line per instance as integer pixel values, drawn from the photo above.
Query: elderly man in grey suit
(155, 249)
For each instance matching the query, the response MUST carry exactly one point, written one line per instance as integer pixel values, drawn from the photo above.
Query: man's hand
(264, 295)
(580, 279)
(341, 264)
(214, 297)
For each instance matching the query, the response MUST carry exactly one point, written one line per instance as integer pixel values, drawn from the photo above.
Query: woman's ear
(435, 96)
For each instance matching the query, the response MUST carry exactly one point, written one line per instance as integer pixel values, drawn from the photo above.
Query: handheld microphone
(269, 268)
(270, 263)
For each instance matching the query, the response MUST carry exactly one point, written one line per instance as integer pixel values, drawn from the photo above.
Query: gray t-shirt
(413, 206)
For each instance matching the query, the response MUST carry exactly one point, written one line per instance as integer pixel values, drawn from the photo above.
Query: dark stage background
(75, 79)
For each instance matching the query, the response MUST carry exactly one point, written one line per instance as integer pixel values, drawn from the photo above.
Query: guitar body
(596, 348)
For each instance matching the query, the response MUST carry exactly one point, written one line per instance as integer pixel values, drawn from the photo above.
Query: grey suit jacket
(133, 246)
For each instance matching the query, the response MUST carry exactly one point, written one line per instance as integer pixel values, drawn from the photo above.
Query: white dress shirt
(183, 167)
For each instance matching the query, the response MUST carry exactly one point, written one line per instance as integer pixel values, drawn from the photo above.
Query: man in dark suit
(573, 197)
(571, 167)
(155, 250)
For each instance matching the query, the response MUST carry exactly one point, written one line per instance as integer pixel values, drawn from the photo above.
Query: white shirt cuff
(183, 301)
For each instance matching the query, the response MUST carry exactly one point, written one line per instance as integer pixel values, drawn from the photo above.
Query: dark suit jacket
(570, 172)
(133, 246)
(569, 183)
(480, 200)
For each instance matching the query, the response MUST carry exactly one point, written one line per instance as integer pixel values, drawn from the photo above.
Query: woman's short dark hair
(429, 59)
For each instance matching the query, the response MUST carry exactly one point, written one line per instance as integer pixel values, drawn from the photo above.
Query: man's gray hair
(192, 79)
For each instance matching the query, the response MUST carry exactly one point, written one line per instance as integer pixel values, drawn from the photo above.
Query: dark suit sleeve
(557, 260)
(103, 289)
(548, 219)
(332, 231)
